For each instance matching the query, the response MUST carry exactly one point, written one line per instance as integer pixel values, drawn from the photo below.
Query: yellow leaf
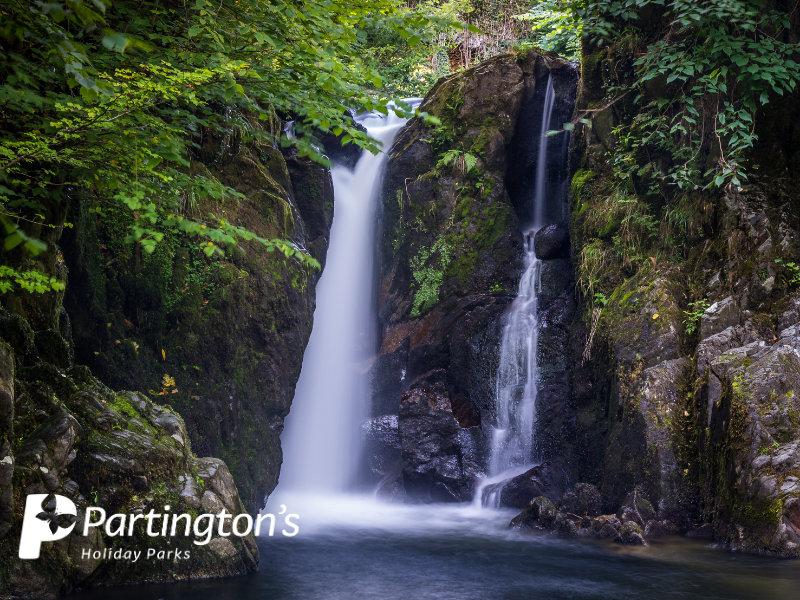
(163, 354)
(655, 316)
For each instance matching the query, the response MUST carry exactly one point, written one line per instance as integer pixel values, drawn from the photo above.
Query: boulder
(636, 508)
(630, 533)
(552, 241)
(584, 500)
(660, 528)
(540, 513)
(431, 456)
(546, 480)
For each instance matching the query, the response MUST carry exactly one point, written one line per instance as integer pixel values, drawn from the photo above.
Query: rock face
(432, 461)
(230, 331)
(383, 451)
(451, 244)
(62, 431)
(685, 377)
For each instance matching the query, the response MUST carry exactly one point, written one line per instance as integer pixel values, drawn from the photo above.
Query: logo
(48, 517)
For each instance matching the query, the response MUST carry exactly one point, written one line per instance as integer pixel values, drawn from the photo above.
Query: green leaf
(12, 241)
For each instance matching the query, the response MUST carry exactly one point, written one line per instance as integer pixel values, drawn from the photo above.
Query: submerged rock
(630, 533)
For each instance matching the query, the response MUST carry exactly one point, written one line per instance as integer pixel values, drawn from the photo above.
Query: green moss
(427, 270)
(579, 184)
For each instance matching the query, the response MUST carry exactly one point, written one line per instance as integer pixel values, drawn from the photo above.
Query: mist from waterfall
(518, 373)
(321, 440)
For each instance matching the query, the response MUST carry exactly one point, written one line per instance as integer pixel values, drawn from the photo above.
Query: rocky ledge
(63, 432)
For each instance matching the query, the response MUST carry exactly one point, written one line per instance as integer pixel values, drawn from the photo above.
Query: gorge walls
(691, 392)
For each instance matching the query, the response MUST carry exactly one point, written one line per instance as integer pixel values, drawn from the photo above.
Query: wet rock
(636, 508)
(540, 513)
(630, 533)
(432, 462)
(448, 339)
(583, 500)
(382, 447)
(660, 528)
(546, 480)
(605, 526)
(552, 241)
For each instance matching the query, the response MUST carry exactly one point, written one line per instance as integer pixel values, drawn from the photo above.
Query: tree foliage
(103, 103)
(720, 61)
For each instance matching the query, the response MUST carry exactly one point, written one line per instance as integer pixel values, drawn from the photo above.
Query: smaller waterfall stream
(517, 375)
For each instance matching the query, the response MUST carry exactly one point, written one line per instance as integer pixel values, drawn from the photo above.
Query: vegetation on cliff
(103, 104)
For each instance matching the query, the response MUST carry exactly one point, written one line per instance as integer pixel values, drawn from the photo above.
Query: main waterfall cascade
(321, 440)
(517, 375)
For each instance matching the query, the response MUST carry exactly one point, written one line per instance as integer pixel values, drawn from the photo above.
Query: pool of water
(352, 548)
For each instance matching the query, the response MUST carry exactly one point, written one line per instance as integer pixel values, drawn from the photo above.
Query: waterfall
(321, 441)
(517, 375)
(540, 198)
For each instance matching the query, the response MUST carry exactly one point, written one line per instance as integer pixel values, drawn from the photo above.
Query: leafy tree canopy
(101, 101)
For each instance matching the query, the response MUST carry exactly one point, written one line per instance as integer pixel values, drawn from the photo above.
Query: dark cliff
(211, 348)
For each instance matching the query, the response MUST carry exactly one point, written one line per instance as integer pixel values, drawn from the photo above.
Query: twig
(587, 352)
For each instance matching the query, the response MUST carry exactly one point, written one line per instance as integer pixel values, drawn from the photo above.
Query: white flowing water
(540, 198)
(518, 373)
(321, 440)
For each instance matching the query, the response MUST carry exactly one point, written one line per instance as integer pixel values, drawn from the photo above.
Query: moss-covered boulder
(66, 433)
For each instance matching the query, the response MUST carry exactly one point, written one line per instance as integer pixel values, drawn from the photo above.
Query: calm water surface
(350, 548)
